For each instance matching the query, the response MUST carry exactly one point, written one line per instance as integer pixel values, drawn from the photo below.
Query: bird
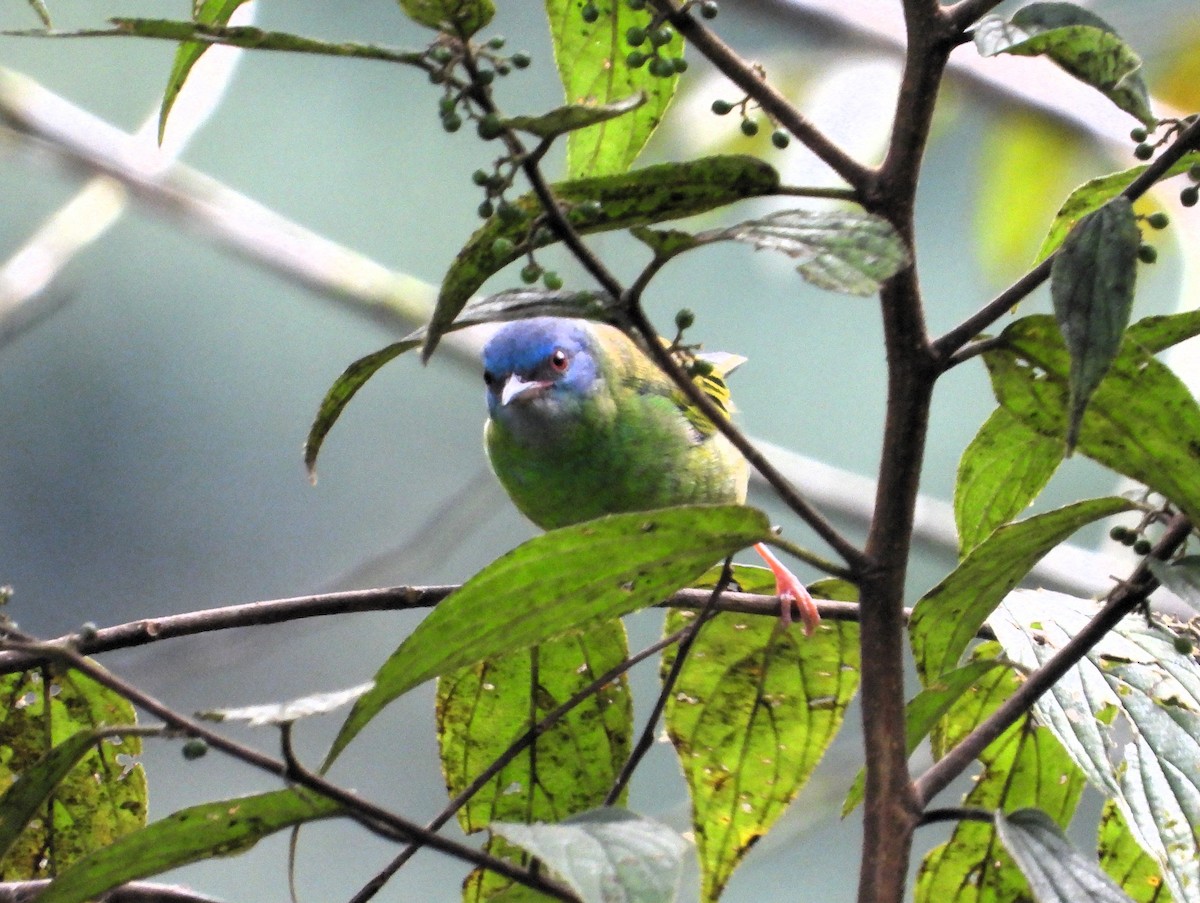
(582, 423)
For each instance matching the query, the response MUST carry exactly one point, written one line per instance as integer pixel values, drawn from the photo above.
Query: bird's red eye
(559, 360)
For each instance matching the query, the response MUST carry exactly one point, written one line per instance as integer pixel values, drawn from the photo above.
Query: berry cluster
(1145, 149)
(446, 55)
(779, 137)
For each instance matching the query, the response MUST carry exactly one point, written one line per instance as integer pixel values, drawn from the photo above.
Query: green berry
(1143, 546)
(722, 107)
(496, 42)
(503, 68)
(1129, 538)
(441, 54)
(661, 67)
(679, 64)
(749, 128)
(452, 122)
(87, 631)
(589, 12)
(589, 210)
(635, 37)
(530, 273)
(1189, 196)
(552, 280)
(480, 177)
(521, 60)
(485, 209)
(542, 236)
(660, 37)
(502, 247)
(636, 60)
(490, 127)
(1183, 645)
(485, 77)
(709, 9)
(1117, 533)
(194, 749)
(1147, 253)
(1139, 135)
(1158, 220)
(1143, 152)
(684, 319)
(447, 105)
(780, 138)
(509, 213)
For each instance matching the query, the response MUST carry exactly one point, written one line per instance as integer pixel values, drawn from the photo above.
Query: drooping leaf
(1024, 766)
(556, 583)
(1094, 194)
(574, 116)
(947, 617)
(1079, 42)
(457, 17)
(1057, 872)
(1182, 577)
(189, 835)
(837, 250)
(100, 799)
(753, 711)
(924, 711)
(592, 63)
(287, 712)
(1000, 473)
(207, 12)
(1126, 862)
(1091, 285)
(607, 855)
(599, 204)
(1137, 674)
(1141, 422)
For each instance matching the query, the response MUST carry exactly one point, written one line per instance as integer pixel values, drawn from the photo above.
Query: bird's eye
(559, 360)
(489, 379)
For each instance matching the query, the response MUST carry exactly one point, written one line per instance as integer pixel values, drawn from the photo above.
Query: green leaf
(648, 195)
(1142, 421)
(607, 855)
(288, 712)
(591, 60)
(575, 116)
(343, 389)
(947, 617)
(1024, 766)
(1093, 195)
(485, 708)
(1091, 284)
(556, 583)
(1079, 42)
(1056, 871)
(838, 250)
(752, 713)
(1126, 862)
(200, 832)
(1135, 673)
(923, 712)
(99, 800)
(1000, 473)
(1182, 577)
(207, 12)
(461, 18)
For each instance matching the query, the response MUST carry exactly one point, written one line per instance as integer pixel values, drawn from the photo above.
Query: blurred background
(157, 390)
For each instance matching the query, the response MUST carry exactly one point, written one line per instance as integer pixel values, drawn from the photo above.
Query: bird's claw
(791, 592)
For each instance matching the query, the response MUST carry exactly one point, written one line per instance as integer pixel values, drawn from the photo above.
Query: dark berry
(1117, 533)
(709, 9)
(1143, 546)
(749, 128)
(490, 127)
(780, 138)
(480, 178)
(636, 59)
(485, 209)
(1158, 220)
(662, 36)
(521, 60)
(452, 122)
(1147, 253)
(194, 749)
(496, 42)
(661, 67)
(1139, 135)
(1143, 152)
(684, 319)
(679, 64)
(552, 280)
(722, 107)
(589, 12)
(530, 273)
(635, 37)
(1189, 196)
(509, 213)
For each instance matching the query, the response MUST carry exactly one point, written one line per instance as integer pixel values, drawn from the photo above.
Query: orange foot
(791, 592)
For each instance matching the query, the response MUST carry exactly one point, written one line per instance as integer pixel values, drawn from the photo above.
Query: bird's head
(538, 368)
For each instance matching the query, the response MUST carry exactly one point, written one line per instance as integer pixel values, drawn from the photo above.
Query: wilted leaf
(1142, 421)
(1091, 285)
(1000, 473)
(1056, 871)
(607, 855)
(591, 60)
(1078, 41)
(600, 204)
(753, 710)
(574, 116)
(189, 835)
(1134, 673)
(947, 617)
(556, 583)
(287, 712)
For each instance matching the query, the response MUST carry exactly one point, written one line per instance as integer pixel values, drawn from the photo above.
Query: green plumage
(608, 433)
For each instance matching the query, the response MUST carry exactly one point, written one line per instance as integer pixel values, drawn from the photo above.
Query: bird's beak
(516, 387)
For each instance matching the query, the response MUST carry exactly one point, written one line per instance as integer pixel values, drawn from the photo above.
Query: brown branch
(1122, 601)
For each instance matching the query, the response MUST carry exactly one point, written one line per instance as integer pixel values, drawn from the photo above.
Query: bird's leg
(790, 590)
